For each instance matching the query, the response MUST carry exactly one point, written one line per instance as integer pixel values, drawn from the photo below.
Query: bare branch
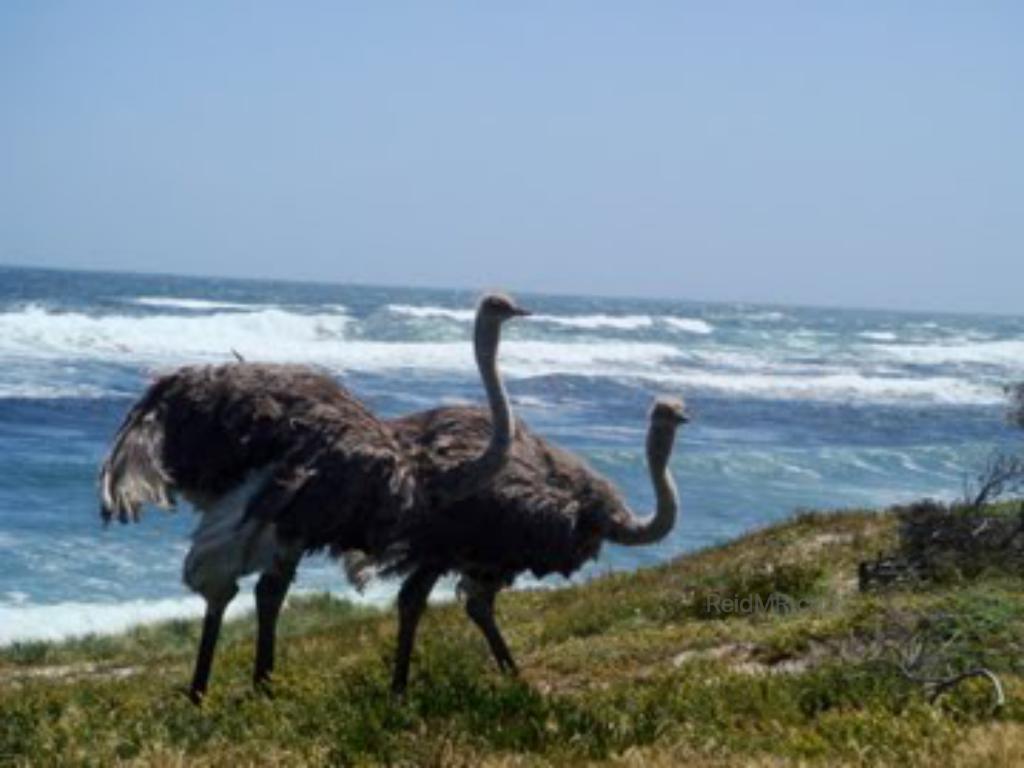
(923, 658)
(1003, 474)
(940, 686)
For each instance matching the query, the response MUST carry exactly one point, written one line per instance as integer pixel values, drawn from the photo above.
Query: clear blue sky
(860, 153)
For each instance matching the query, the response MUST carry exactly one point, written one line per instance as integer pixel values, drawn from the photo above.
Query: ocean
(795, 408)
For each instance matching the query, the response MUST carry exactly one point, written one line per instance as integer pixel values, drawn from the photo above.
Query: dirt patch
(822, 541)
(67, 673)
(743, 658)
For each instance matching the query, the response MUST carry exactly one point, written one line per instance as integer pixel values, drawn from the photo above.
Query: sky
(839, 153)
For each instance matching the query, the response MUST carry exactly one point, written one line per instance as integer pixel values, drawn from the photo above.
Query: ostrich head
(493, 311)
(498, 307)
(667, 414)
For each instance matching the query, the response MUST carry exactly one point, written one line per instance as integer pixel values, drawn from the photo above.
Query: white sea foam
(689, 325)
(536, 403)
(38, 344)
(22, 620)
(878, 335)
(1008, 353)
(583, 322)
(851, 386)
(617, 322)
(518, 358)
(459, 315)
(48, 390)
(664, 364)
(34, 332)
(591, 322)
(172, 302)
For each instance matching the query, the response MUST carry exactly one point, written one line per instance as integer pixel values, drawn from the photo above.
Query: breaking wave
(1007, 353)
(171, 302)
(42, 347)
(459, 315)
(583, 322)
(615, 322)
(34, 332)
(851, 386)
(22, 621)
(878, 335)
(689, 325)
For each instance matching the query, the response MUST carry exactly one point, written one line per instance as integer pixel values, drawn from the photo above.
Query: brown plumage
(545, 512)
(281, 460)
(338, 479)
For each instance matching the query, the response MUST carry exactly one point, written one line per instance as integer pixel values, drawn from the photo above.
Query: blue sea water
(795, 408)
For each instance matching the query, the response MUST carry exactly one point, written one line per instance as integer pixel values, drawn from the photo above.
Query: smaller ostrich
(280, 460)
(545, 512)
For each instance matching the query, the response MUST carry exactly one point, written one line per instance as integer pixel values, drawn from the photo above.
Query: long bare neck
(486, 337)
(634, 531)
(468, 478)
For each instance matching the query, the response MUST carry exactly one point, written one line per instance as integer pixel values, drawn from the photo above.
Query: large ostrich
(545, 512)
(281, 460)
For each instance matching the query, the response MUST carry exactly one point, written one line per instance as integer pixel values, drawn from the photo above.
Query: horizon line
(768, 304)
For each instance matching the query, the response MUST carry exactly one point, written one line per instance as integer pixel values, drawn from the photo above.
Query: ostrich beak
(521, 312)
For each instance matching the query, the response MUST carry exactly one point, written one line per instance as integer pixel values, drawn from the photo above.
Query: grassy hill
(759, 652)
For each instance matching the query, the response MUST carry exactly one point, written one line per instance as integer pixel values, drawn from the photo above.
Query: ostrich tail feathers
(133, 474)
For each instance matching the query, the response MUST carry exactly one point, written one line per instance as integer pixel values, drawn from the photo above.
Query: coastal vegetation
(768, 650)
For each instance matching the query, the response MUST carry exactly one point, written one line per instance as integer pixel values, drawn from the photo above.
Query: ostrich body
(545, 512)
(280, 460)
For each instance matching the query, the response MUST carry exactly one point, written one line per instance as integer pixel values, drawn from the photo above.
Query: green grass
(629, 669)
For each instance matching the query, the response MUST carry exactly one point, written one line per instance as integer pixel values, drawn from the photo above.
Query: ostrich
(545, 512)
(280, 460)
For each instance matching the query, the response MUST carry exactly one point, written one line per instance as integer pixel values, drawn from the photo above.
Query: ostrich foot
(195, 697)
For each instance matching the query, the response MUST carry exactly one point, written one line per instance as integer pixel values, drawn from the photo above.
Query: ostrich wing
(205, 429)
(546, 511)
(333, 491)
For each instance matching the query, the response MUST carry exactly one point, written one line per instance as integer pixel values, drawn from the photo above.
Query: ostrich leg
(412, 599)
(215, 606)
(480, 608)
(270, 593)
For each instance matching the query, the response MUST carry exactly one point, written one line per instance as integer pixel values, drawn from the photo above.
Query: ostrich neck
(487, 336)
(469, 477)
(636, 531)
